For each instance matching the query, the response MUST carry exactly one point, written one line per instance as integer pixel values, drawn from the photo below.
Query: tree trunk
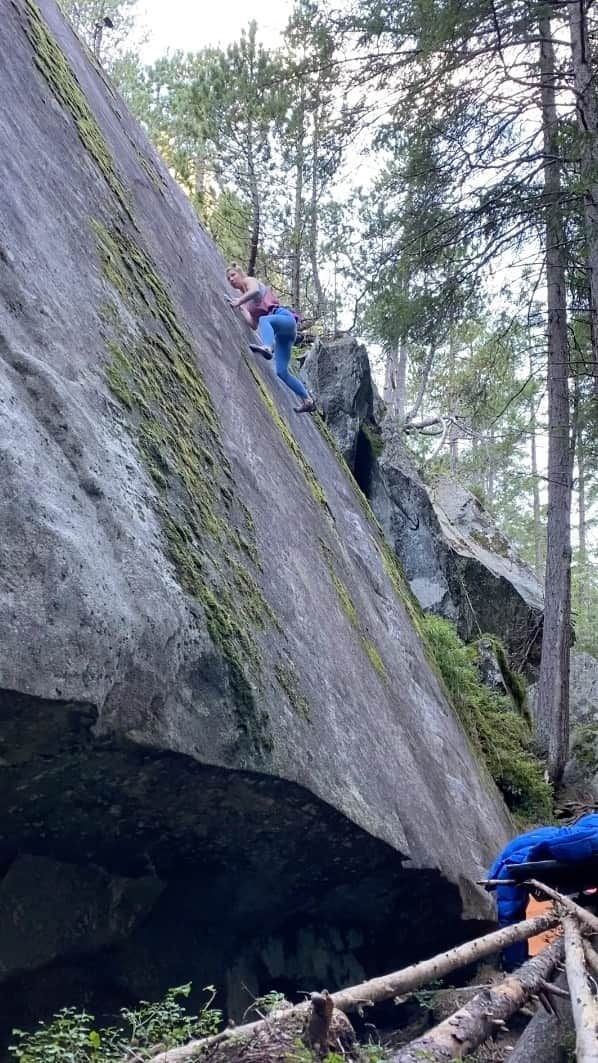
(453, 436)
(395, 381)
(387, 987)
(298, 213)
(490, 468)
(538, 562)
(583, 1002)
(586, 106)
(254, 238)
(474, 1023)
(552, 718)
(423, 383)
(582, 544)
(313, 218)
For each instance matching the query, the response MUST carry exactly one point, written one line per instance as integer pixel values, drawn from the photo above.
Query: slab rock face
(213, 690)
(458, 563)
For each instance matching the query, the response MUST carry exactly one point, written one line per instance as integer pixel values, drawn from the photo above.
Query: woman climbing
(276, 325)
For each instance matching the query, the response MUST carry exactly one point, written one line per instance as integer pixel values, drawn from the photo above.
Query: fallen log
(591, 957)
(420, 974)
(542, 1039)
(571, 906)
(377, 990)
(583, 1003)
(476, 1021)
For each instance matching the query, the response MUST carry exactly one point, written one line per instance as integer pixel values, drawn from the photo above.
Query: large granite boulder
(211, 676)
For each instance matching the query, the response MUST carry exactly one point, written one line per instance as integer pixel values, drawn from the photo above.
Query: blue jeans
(279, 331)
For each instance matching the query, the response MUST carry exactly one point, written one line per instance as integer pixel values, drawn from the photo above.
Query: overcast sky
(193, 24)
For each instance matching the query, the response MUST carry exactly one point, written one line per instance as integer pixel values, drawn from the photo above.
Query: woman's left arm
(253, 292)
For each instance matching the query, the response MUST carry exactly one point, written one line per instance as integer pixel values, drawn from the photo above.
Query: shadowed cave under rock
(242, 880)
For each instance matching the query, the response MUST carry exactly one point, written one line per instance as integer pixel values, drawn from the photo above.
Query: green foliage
(373, 1053)
(269, 1002)
(426, 996)
(72, 1037)
(501, 736)
(514, 681)
(85, 15)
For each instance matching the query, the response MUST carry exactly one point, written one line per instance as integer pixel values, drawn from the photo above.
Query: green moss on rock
(374, 656)
(374, 438)
(53, 64)
(312, 481)
(496, 543)
(287, 679)
(350, 611)
(499, 734)
(515, 682)
(152, 370)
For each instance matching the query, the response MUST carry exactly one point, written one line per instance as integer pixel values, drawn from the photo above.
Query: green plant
(373, 1053)
(72, 1037)
(500, 735)
(426, 996)
(167, 1022)
(269, 1002)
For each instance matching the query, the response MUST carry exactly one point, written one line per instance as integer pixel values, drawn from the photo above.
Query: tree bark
(474, 1023)
(552, 719)
(298, 211)
(453, 435)
(254, 238)
(313, 217)
(377, 990)
(538, 563)
(570, 906)
(583, 1003)
(591, 957)
(586, 106)
(490, 467)
(423, 383)
(395, 380)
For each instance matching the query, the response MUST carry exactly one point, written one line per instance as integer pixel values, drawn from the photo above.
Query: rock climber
(565, 858)
(276, 326)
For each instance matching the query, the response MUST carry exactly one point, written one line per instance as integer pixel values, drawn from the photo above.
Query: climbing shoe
(307, 406)
(264, 351)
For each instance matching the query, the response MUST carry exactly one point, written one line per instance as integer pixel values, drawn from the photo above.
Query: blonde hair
(237, 269)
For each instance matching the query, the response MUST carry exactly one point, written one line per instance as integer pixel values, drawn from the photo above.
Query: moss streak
(312, 481)
(210, 536)
(53, 64)
(350, 611)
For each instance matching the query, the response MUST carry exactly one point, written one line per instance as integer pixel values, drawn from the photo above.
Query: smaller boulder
(339, 375)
